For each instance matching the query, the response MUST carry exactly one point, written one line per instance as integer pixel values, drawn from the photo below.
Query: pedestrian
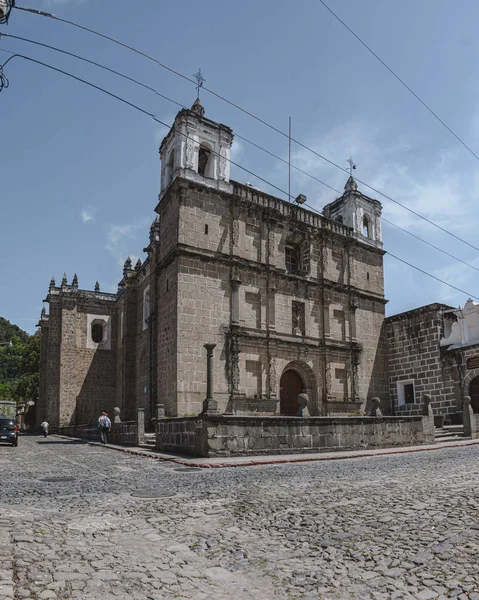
(44, 426)
(104, 426)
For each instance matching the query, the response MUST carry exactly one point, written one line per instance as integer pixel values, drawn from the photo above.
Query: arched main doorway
(291, 385)
(474, 394)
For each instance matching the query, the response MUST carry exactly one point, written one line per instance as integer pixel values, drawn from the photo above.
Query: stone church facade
(293, 301)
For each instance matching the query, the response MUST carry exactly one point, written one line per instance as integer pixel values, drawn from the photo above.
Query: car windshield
(7, 424)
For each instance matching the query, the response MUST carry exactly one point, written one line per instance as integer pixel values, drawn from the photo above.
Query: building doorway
(474, 394)
(291, 385)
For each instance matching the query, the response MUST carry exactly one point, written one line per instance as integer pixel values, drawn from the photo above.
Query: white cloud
(126, 240)
(88, 214)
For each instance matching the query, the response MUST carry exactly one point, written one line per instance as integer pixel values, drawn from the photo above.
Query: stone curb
(276, 459)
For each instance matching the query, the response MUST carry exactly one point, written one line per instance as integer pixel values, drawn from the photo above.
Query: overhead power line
(152, 116)
(155, 91)
(253, 116)
(401, 81)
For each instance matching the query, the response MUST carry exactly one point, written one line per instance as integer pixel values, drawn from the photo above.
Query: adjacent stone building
(293, 300)
(435, 350)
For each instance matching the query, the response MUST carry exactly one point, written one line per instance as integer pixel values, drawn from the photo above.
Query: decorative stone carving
(235, 370)
(116, 412)
(271, 244)
(235, 232)
(375, 410)
(427, 408)
(223, 163)
(303, 400)
(189, 151)
(273, 377)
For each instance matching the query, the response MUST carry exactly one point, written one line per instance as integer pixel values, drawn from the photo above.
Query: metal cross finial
(352, 165)
(200, 80)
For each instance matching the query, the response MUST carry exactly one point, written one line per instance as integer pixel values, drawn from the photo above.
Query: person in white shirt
(104, 426)
(44, 426)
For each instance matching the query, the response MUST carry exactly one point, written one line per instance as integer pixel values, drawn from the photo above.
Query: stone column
(211, 406)
(235, 303)
(272, 306)
(140, 420)
(352, 319)
(355, 375)
(327, 324)
(470, 420)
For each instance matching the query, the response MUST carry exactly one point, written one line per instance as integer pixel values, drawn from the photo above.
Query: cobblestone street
(389, 527)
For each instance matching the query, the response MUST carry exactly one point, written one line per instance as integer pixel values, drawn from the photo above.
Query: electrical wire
(155, 91)
(4, 83)
(152, 116)
(253, 116)
(401, 81)
(138, 108)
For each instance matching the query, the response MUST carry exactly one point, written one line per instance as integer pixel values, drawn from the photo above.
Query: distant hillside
(19, 363)
(10, 332)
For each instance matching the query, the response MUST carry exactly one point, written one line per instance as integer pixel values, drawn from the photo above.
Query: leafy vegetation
(19, 363)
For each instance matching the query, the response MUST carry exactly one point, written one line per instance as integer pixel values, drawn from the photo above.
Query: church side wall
(88, 377)
(49, 407)
(143, 365)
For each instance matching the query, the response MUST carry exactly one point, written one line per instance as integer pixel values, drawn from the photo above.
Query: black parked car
(8, 432)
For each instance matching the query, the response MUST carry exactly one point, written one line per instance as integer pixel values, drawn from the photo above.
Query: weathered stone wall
(240, 436)
(414, 355)
(227, 247)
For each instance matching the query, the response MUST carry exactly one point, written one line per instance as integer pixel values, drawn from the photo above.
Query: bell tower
(361, 213)
(198, 149)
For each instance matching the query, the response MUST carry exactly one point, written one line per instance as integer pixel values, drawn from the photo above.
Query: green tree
(19, 364)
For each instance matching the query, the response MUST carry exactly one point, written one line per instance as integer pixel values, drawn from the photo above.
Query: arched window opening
(366, 226)
(170, 167)
(339, 219)
(204, 159)
(97, 331)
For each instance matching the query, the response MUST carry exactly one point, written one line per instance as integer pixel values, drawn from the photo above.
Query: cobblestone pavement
(389, 527)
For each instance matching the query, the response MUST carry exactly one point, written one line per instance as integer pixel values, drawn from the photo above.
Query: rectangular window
(406, 392)
(298, 318)
(292, 259)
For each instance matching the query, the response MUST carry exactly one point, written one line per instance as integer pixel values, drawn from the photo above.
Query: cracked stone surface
(388, 527)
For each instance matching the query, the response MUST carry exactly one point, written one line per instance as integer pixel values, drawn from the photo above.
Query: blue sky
(80, 171)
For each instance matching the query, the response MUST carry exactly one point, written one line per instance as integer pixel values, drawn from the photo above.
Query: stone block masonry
(241, 436)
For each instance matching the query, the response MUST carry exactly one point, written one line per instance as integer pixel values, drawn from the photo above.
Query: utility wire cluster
(4, 83)
(5, 10)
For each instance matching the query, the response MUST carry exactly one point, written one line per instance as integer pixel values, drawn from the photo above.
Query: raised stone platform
(220, 435)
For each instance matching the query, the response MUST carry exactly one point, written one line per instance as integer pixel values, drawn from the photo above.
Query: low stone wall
(125, 433)
(240, 436)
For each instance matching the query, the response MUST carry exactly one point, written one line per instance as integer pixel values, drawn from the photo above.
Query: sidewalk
(250, 461)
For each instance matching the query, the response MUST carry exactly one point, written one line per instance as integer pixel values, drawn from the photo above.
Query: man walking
(104, 426)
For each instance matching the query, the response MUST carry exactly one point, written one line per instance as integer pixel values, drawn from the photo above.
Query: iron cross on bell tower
(200, 80)
(352, 165)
